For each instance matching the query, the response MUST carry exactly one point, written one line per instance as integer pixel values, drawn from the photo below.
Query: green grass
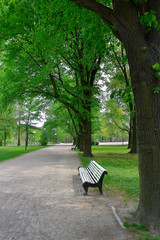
(9, 152)
(122, 169)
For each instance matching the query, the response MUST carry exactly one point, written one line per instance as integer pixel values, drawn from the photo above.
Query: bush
(95, 143)
(43, 141)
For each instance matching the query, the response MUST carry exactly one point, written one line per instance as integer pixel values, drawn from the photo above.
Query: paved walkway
(41, 198)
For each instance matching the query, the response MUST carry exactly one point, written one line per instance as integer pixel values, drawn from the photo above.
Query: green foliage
(149, 20)
(44, 138)
(148, 237)
(156, 67)
(117, 118)
(7, 123)
(140, 231)
(144, 49)
(156, 90)
(135, 226)
(51, 38)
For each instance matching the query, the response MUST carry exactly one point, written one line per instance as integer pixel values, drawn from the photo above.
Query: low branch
(123, 129)
(21, 46)
(68, 62)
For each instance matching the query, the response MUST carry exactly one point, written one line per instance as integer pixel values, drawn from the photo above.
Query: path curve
(41, 198)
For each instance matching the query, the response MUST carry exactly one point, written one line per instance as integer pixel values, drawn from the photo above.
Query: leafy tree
(27, 113)
(43, 138)
(136, 24)
(117, 119)
(119, 84)
(53, 56)
(7, 123)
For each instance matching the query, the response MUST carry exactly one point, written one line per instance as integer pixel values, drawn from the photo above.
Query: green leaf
(112, 94)
(143, 48)
(156, 66)
(156, 90)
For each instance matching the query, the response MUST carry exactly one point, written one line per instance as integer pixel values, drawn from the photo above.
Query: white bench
(92, 176)
(74, 147)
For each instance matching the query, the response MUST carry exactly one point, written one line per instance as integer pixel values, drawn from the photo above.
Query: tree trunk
(5, 137)
(26, 142)
(147, 105)
(87, 152)
(148, 133)
(130, 134)
(133, 135)
(19, 134)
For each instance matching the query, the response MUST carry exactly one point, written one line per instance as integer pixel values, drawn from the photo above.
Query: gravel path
(41, 198)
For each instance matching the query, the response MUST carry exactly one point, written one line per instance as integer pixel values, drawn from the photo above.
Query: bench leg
(100, 189)
(85, 186)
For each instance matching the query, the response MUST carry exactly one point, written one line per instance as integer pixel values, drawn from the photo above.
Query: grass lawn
(15, 151)
(122, 169)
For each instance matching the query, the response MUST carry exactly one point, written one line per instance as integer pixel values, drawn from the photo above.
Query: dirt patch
(124, 208)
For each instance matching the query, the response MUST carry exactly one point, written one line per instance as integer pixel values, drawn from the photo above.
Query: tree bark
(133, 141)
(19, 134)
(87, 148)
(148, 126)
(130, 134)
(26, 142)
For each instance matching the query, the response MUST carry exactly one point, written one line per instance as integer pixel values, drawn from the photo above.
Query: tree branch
(123, 129)
(54, 85)
(68, 62)
(74, 124)
(95, 69)
(104, 12)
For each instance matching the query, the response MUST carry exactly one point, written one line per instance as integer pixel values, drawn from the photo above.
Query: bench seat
(92, 176)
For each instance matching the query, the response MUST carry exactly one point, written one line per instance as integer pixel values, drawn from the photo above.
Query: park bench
(92, 176)
(73, 148)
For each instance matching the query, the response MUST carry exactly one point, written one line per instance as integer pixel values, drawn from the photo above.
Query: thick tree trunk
(130, 134)
(19, 135)
(133, 135)
(147, 105)
(148, 134)
(77, 142)
(26, 142)
(87, 152)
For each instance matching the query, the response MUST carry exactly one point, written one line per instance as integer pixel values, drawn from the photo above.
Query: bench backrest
(96, 171)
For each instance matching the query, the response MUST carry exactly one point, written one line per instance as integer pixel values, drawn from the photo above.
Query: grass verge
(9, 152)
(122, 169)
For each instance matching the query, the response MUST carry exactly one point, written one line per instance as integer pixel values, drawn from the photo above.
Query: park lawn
(9, 152)
(122, 169)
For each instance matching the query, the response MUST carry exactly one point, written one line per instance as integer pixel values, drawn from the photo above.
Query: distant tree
(28, 112)
(7, 123)
(117, 119)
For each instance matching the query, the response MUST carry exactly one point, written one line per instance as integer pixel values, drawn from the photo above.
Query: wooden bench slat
(84, 176)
